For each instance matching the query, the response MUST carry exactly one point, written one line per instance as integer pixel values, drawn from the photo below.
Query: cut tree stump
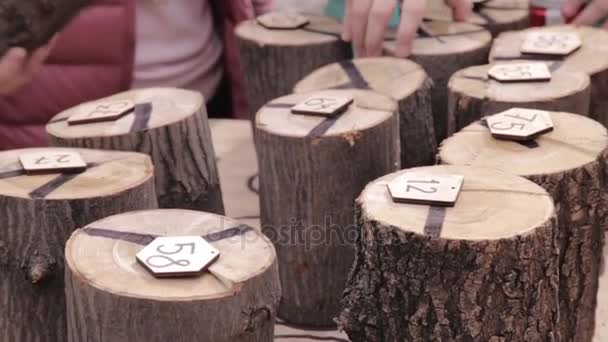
(400, 79)
(484, 270)
(442, 48)
(570, 164)
(273, 61)
(168, 124)
(30, 24)
(473, 95)
(586, 59)
(38, 214)
(496, 16)
(111, 298)
(311, 171)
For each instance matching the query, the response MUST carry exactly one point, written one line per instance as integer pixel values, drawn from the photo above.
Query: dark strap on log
(143, 112)
(46, 189)
(434, 221)
(357, 80)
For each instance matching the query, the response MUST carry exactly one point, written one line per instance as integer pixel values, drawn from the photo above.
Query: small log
(273, 61)
(484, 270)
(586, 59)
(38, 214)
(168, 124)
(570, 163)
(442, 48)
(496, 16)
(111, 298)
(32, 23)
(473, 95)
(311, 171)
(400, 79)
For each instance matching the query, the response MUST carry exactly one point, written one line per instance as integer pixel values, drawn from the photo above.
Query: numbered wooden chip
(101, 112)
(520, 72)
(325, 105)
(53, 161)
(551, 43)
(520, 124)
(177, 256)
(416, 188)
(282, 20)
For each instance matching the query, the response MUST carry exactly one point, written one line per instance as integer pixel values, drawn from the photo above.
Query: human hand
(595, 11)
(366, 22)
(17, 67)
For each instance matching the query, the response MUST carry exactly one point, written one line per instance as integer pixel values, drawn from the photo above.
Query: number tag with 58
(520, 124)
(177, 256)
(438, 190)
(323, 105)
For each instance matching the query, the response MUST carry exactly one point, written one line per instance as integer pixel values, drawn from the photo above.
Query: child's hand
(366, 21)
(17, 67)
(595, 11)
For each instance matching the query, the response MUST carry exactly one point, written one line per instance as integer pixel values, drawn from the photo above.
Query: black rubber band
(46, 189)
(324, 126)
(434, 221)
(357, 80)
(11, 173)
(142, 113)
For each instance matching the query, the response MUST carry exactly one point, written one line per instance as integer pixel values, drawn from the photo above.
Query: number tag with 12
(415, 188)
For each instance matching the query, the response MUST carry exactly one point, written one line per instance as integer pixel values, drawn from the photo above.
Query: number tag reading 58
(438, 190)
(177, 256)
(323, 105)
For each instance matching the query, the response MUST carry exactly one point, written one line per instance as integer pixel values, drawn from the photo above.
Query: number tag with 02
(416, 188)
(177, 256)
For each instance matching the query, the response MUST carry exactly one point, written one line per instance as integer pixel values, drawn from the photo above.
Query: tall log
(586, 59)
(473, 95)
(484, 270)
(273, 61)
(311, 170)
(111, 298)
(168, 124)
(570, 163)
(403, 81)
(442, 48)
(38, 214)
(496, 16)
(32, 23)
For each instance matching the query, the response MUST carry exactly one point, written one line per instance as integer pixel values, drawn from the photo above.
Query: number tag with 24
(415, 188)
(177, 256)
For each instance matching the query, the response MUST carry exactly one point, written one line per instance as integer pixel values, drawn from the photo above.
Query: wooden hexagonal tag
(323, 105)
(415, 188)
(52, 161)
(282, 20)
(551, 43)
(177, 256)
(101, 112)
(520, 124)
(520, 72)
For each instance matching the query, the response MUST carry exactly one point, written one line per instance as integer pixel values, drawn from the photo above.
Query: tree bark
(442, 48)
(403, 81)
(171, 126)
(473, 95)
(311, 170)
(585, 59)
(570, 164)
(234, 301)
(487, 275)
(30, 24)
(38, 214)
(273, 61)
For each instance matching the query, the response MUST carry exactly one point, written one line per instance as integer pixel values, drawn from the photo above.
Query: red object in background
(548, 12)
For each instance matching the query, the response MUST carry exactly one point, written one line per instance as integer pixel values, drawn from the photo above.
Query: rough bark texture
(32, 23)
(32, 241)
(307, 189)
(272, 70)
(184, 161)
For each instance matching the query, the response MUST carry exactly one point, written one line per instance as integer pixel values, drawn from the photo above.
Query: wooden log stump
(442, 48)
(570, 164)
(484, 270)
(496, 16)
(311, 171)
(273, 61)
(38, 214)
(111, 298)
(473, 95)
(400, 79)
(168, 124)
(586, 59)
(30, 24)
